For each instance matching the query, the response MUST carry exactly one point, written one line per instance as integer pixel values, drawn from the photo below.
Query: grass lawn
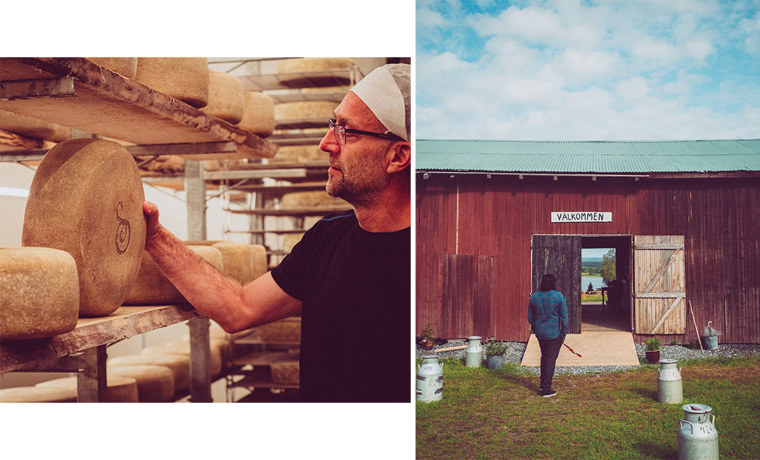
(498, 414)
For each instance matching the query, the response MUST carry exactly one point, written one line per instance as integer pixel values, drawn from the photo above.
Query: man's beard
(362, 184)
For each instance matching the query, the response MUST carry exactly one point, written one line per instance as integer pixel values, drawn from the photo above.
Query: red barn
(683, 217)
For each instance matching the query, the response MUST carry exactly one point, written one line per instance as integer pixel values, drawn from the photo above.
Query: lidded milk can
(669, 384)
(697, 437)
(429, 379)
(474, 356)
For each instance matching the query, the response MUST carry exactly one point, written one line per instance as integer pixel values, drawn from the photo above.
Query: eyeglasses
(340, 132)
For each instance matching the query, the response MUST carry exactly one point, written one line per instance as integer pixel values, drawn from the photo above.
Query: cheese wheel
(286, 372)
(183, 348)
(311, 109)
(154, 383)
(310, 199)
(290, 240)
(86, 199)
(226, 97)
(242, 262)
(151, 287)
(300, 154)
(313, 64)
(118, 389)
(305, 72)
(26, 126)
(284, 330)
(125, 66)
(39, 293)
(186, 79)
(60, 133)
(178, 364)
(38, 394)
(258, 115)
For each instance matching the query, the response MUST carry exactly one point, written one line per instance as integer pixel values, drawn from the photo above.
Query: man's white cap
(386, 91)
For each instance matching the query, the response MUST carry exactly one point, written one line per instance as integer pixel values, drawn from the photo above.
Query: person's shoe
(548, 393)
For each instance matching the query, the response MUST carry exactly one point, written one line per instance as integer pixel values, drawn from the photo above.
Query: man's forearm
(208, 290)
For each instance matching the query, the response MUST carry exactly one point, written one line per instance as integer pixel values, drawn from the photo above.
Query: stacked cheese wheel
(179, 365)
(242, 262)
(39, 293)
(118, 389)
(151, 287)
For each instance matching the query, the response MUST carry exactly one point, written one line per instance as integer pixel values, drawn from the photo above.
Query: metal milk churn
(669, 384)
(474, 356)
(697, 437)
(429, 379)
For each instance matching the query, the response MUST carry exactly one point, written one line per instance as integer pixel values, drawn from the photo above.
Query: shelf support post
(91, 378)
(200, 377)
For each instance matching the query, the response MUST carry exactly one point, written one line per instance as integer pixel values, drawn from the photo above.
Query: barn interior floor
(605, 340)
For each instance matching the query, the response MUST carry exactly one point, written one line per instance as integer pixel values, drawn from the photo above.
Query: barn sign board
(581, 217)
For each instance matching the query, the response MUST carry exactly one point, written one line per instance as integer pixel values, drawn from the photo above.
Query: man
(349, 277)
(547, 315)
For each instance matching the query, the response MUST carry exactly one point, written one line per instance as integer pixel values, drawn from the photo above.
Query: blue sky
(583, 70)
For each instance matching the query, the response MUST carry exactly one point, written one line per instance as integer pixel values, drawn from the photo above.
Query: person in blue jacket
(547, 315)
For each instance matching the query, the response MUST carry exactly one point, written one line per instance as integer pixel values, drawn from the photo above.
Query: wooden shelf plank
(110, 105)
(122, 324)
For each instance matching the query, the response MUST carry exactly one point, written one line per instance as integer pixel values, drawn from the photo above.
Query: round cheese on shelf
(301, 154)
(258, 115)
(226, 97)
(313, 64)
(186, 79)
(38, 394)
(86, 199)
(310, 199)
(321, 110)
(152, 287)
(183, 348)
(118, 389)
(178, 364)
(242, 262)
(39, 293)
(154, 383)
(125, 66)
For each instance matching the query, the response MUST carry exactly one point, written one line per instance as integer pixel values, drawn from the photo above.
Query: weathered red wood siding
(473, 215)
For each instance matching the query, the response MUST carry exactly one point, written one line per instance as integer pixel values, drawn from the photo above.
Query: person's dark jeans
(549, 352)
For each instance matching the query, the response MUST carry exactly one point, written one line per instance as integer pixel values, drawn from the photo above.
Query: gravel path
(515, 352)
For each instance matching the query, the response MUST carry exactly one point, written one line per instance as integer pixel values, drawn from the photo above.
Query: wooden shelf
(124, 323)
(78, 93)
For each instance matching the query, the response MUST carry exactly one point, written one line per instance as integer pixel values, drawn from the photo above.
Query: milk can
(474, 356)
(430, 379)
(697, 437)
(669, 384)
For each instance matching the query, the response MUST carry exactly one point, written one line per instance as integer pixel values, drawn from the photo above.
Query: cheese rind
(86, 199)
(39, 293)
(258, 115)
(186, 79)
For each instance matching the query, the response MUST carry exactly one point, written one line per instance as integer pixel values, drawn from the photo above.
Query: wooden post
(91, 379)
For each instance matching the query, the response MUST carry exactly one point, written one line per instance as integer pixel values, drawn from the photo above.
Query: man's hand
(150, 211)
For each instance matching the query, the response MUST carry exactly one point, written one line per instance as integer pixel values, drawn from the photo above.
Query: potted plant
(652, 351)
(428, 336)
(495, 354)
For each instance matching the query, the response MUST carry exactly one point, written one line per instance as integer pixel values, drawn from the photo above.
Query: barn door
(466, 286)
(659, 285)
(560, 255)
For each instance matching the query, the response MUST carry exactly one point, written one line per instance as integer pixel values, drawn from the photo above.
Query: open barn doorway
(605, 283)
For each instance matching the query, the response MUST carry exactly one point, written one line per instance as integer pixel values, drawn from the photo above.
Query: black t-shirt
(355, 322)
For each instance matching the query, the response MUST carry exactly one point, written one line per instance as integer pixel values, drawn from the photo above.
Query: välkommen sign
(581, 217)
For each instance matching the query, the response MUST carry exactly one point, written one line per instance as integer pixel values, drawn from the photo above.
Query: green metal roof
(594, 157)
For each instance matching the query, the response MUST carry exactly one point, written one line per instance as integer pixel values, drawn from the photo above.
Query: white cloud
(567, 70)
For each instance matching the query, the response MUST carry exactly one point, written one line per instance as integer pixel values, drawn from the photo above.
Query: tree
(608, 267)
